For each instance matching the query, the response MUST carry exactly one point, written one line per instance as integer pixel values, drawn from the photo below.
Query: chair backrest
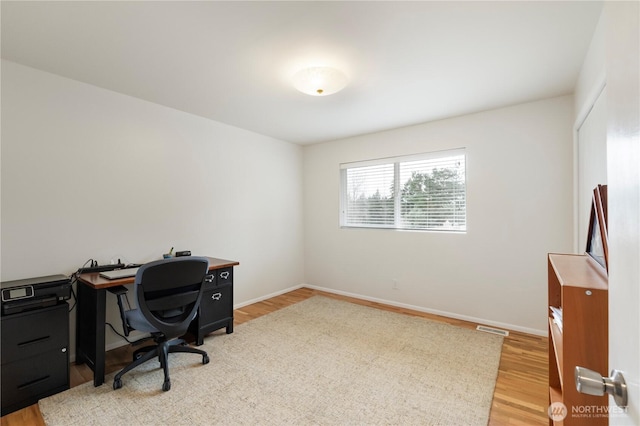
(168, 292)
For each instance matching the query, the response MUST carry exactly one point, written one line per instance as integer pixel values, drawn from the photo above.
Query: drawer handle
(31, 342)
(33, 382)
(216, 296)
(224, 275)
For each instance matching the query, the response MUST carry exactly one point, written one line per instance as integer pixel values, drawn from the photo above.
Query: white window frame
(396, 161)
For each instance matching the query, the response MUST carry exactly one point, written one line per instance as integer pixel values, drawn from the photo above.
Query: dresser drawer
(33, 332)
(24, 382)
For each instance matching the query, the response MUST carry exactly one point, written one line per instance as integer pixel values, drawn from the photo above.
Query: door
(623, 170)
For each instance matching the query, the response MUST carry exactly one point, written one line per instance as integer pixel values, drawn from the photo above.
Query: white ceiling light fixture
(319, 81)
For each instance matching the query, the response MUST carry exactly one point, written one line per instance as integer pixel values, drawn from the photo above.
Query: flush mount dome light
(319, 81)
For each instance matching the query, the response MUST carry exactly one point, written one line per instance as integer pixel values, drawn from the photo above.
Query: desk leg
(90, 333)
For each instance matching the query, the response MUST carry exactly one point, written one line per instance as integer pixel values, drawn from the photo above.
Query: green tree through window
(433, 200)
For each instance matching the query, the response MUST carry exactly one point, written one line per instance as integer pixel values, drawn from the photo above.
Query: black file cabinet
(216, 306)
(35, 355)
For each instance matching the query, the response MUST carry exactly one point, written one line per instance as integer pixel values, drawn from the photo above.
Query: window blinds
(420, 192)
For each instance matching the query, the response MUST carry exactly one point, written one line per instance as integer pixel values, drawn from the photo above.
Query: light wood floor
(520, 397)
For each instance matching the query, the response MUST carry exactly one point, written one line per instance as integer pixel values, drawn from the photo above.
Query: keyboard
(119, 273)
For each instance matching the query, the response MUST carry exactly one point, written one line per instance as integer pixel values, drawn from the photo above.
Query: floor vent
(497, 331)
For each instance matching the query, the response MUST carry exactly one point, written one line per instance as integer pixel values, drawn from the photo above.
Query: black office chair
(168, 293)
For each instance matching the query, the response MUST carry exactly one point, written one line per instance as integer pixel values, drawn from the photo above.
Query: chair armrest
(121, 292)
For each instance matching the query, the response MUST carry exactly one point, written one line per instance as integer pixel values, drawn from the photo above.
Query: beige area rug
(318, 362)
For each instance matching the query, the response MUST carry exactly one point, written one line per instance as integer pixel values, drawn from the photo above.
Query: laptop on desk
(119, 273)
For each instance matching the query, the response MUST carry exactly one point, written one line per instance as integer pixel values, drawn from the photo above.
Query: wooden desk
(91, 316)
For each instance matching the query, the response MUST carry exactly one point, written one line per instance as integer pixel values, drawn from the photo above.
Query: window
(419, 192)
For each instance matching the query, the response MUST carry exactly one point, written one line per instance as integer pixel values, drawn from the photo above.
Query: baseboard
(474, 320)
(268, 296)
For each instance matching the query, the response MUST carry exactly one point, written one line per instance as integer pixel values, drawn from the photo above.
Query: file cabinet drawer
(33, 332)
(24, 382)
(216, 304)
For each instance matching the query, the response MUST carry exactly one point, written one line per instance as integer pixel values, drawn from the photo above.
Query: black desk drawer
(31, 333)
(224, 276)
(25, 382)
(216, 304)
(221, 277)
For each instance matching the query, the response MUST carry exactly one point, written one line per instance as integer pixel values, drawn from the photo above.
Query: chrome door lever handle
(592, 383)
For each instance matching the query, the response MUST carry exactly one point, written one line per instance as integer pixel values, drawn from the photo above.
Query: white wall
(90, 173)
(592, 73)
(519, 201)
(590, 137)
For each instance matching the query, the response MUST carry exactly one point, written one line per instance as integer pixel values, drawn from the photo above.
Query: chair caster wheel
(117, 384)
(205, 359)
(166, 385)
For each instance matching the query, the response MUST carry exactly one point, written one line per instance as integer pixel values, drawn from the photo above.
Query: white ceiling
(408, 62)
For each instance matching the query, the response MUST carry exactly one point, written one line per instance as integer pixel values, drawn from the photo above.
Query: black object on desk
(35, 340)
(91, 315)
(34, 293)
